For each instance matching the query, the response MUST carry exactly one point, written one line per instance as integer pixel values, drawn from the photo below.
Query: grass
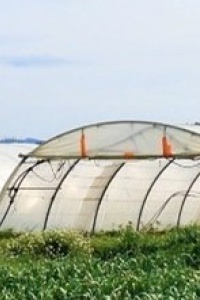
(111, 266)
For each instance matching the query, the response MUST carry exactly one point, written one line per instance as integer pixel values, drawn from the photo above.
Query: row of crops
(116, 265)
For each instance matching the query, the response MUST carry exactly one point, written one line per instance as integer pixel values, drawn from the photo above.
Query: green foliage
(49, 243)
(9, 233)
(108, 266)
(126, 241)
(183, 236)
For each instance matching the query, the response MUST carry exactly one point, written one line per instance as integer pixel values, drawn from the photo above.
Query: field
(116, 265)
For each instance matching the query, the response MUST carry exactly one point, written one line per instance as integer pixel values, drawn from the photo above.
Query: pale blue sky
(66, 63)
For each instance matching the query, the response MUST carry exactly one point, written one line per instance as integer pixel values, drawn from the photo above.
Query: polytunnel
(107, 175)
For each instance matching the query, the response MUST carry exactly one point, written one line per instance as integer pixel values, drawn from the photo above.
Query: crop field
(116, 265)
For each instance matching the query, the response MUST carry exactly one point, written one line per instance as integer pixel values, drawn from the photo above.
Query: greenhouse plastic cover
(128, 139)
(57, 186)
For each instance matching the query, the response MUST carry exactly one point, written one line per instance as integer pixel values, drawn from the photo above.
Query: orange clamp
(83, 147)
(128, 154)
(166, 146)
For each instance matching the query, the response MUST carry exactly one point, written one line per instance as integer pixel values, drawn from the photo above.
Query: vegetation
(116, 265)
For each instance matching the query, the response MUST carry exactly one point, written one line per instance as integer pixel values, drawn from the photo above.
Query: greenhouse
(106, 175)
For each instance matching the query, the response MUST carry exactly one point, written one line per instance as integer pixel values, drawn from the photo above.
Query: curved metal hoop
(185, 198)
(16, 186)
(149, 191)
(102, 195)
(56, 191)
(160, 211)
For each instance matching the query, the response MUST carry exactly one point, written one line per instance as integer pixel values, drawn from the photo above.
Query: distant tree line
(27, 140)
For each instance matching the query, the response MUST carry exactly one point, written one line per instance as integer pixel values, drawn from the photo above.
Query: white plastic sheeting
(128, 139)
(103, 194)
(89, 200)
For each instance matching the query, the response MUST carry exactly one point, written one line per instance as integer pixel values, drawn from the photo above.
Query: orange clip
(166, 146)
(128, 154)
(83, 145)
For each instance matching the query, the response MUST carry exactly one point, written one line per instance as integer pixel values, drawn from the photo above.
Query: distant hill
(28, 140)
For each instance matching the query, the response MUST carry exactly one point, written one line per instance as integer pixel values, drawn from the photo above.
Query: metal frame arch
(185, 198)
(17, 183)
(4, 189)
(161, 126)
(53, 197)
(161, 209)
(103, 194)
(164, 125)
(6, 186)
(149, 191)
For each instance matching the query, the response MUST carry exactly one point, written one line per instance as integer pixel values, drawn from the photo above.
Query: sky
(68, 63)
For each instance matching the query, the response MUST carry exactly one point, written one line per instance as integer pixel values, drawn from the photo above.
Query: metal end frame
(16, 186)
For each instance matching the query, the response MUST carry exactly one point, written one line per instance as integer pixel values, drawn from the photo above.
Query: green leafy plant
(50, 244)
(111, 266)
